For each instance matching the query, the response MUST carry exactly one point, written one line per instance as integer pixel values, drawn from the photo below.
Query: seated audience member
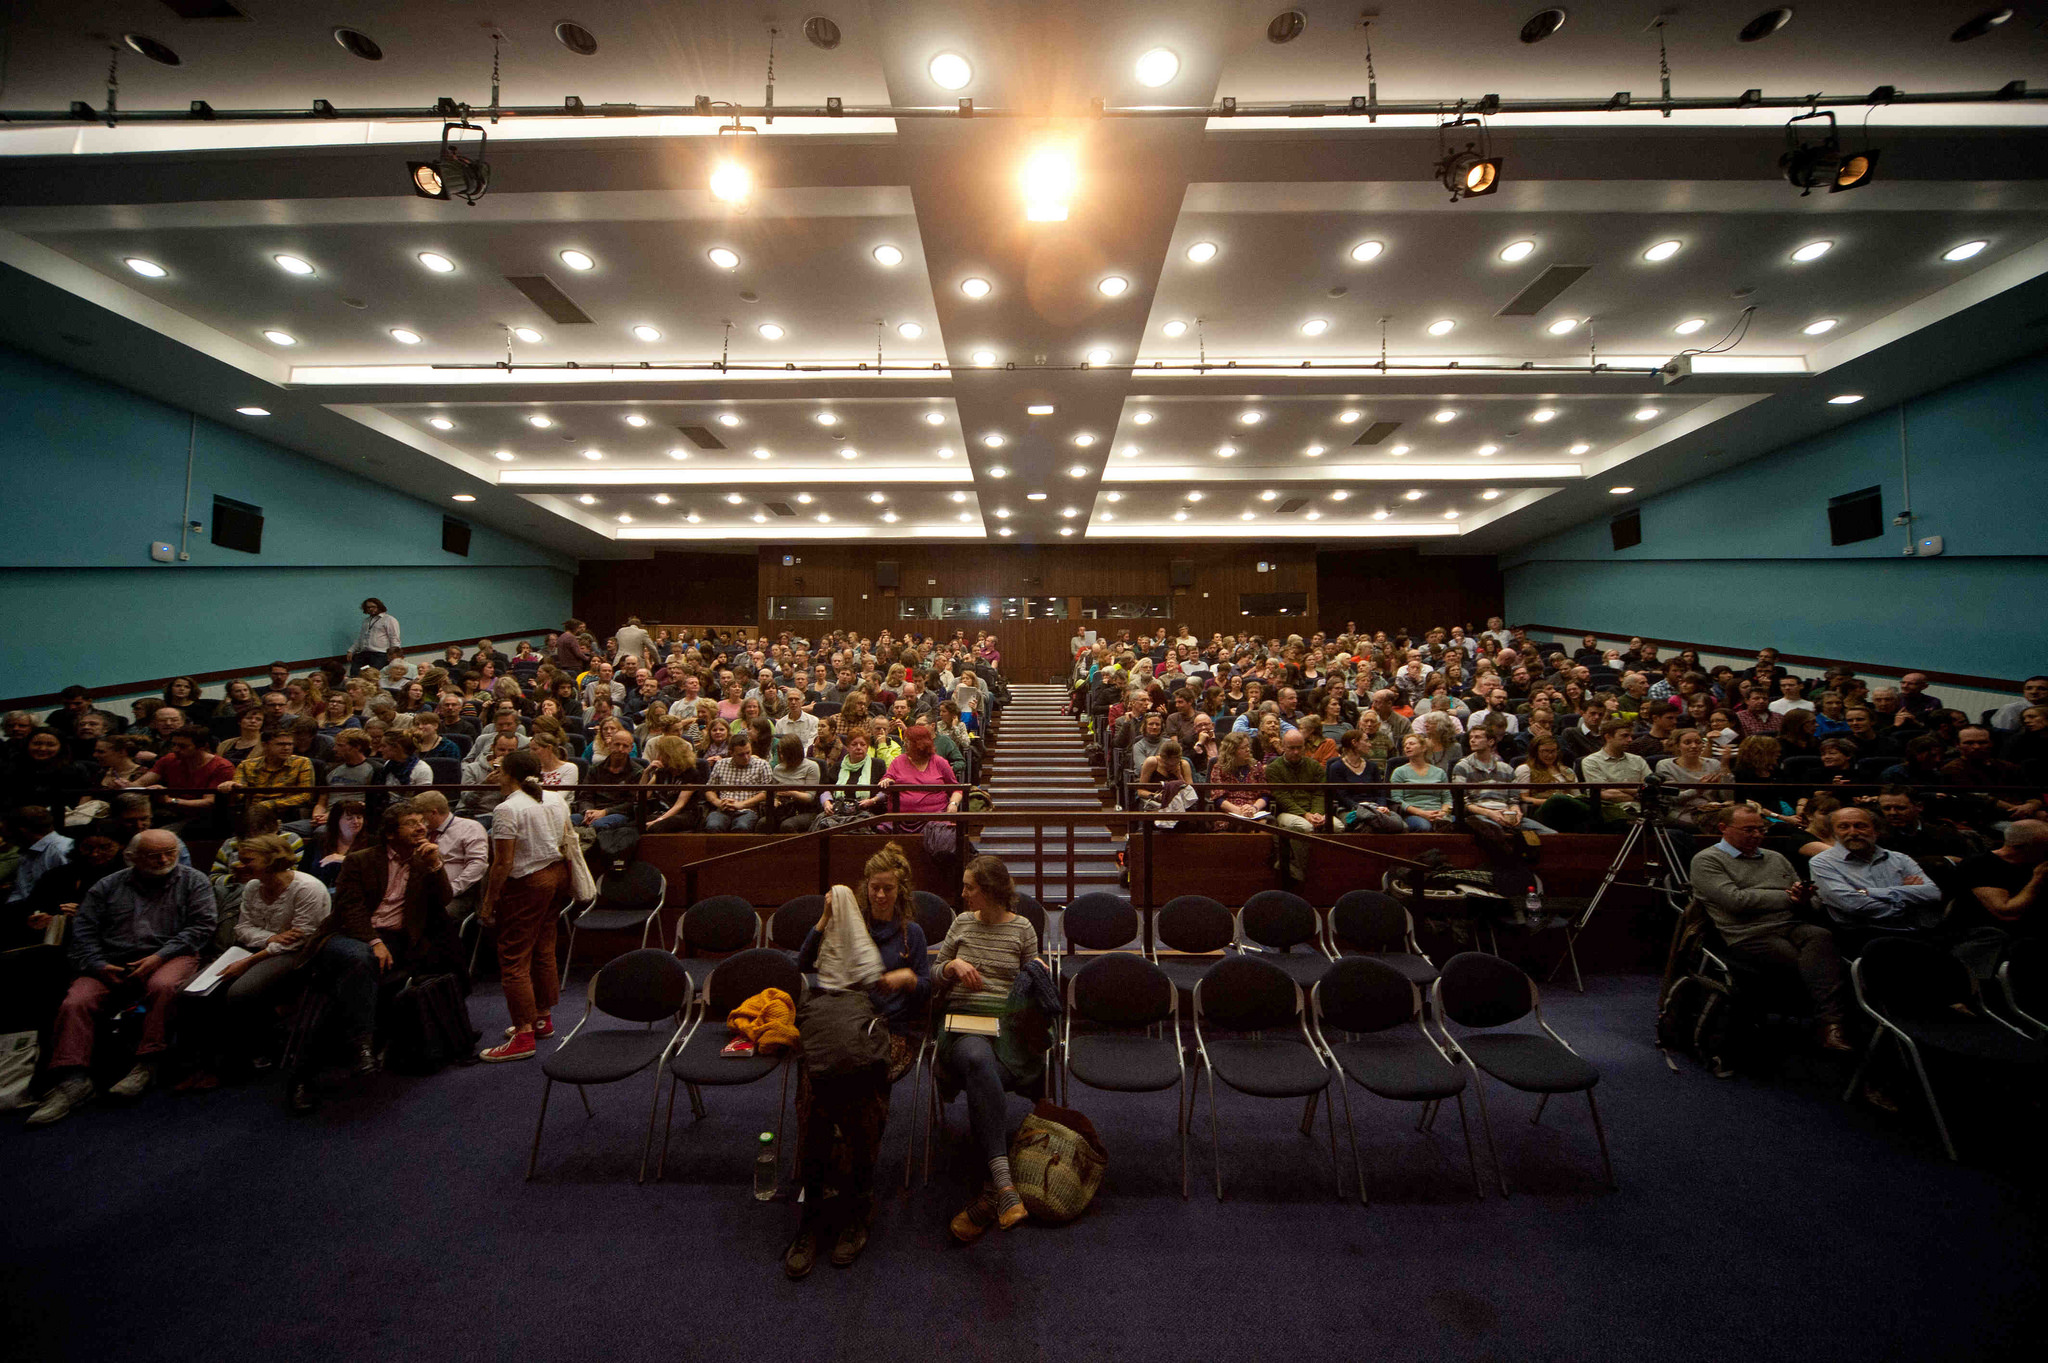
(504, 720)
(795, 810)
(75, 703)
(429, 742)
(1480, 769)
(59, 890)
(2000, 896)
(483, 772)
(135, 936)
(2033, 691)
(1614, 763)
(46, 775)
(1863, 885)
(281, 908)
(43, 849)
(675, 779)
(1977, 769)
(130, 814)
(1424, 811)
(856, 781)
(339, 836)
(1699, 777)
(278, 777)
(1353, 766)
(257, 822)
(915, 769)
(353, 766)
(113, 759)
(190, 776)
(389, 924)
(1302, 811)
(1791, 696)
(546, 745)
(465, 850)
(1751, 893)
(736, 792)
(615, 767)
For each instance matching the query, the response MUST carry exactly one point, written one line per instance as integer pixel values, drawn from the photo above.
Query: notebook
(205, 980)
(975, 1024)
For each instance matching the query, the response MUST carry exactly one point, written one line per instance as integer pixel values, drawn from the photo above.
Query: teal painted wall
(1742, 558)
(97, 472)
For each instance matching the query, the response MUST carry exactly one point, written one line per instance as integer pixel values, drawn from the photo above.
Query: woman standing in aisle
(527, 881)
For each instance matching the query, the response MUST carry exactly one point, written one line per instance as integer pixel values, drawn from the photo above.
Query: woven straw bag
(1057, 1162)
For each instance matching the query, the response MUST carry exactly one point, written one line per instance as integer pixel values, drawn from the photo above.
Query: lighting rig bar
(1156, 367)
(1356, 106)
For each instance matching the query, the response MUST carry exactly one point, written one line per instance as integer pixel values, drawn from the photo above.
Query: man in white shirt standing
(635, 640)
(375, 640)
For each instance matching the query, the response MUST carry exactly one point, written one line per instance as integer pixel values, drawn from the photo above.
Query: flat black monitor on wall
(1627, 529)
(237, 525)
(455, 536)
(1856, 516)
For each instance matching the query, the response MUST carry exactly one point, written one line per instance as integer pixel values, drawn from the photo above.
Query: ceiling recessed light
(1269, 495)
(1350, 416)
(734, 498)
(635, 419)
(1247, 515)
(984, 359)
(974, 286)
(803, 499)
(1844, 399)
(877, 498)
(1112, 286)
(728, 418)
(1447, 414)
(294, 265)
(539, 422)
(662, 499)
(1399, 450)
(909, 331)
(1195, 496)
(935, 418)
(578, 260)
(463, 497)
(1620, 491)
(769, 331)
(504, 456)
(1250, 418)
(1517, 250)
(1202, 252)
(253, 411)
(824, 518)
(1563, 326)
(1582, 448)
(827, 418)
(1825, 324)
(1314, 451)
(149, 269)
(678, 453)
(1078, 471)
(1413, 494)
(888, 255)
(1543, 414)
(1002, 513)
(760, 519)
(1314, 326)
(762, 452)
(1099, 355)
(1141, 418)
(587, 500)
(1034, 496)
(1175, 330)
(1314, 514)
(1381, 514)
(1157, 67)
(1690, 325)
(1645, 413)
(404, 336)
(944, 451)
(1489, 450)
(723, 258)
(439, 264)
(958, 496)
(1039, 409)
(1441, 327)
(1130, 452)
(693, 518)
(998, 471)
(889, 516)
(593, 454)
(950, 71)
(280, 338)
(1813, 250)
(1450, 515)
(1114, 496)
(1491, 494)
(1965, 251)
(1084, 440)
(1367, 250)
(527, 334)
(1068, 529)
(849, 452)
(1002, 530)
(1227, 451)
(993, 440)
(1663, 250)
(1180, 515)
(646, 333)
(440, 423)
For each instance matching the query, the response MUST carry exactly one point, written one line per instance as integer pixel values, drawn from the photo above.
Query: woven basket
(1057, 1162)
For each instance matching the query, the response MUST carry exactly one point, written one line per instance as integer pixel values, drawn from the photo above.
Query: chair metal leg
(1478, 1188)
(653, 1109)
(667, 1125)
(1330, 1120)
(697, 1108)
(1351, 1134)
(1215, 1136)
(1869, 1054)
(588, 1111)
(570, 954)
(1428, 1117)
(1572, 954)
(781, 1102)
(1181, 1120)
(533, 1156)
(1538, 1117)
(1600, 1135)
(1927, 1088)
(1308, 1115)
(1486, 1125)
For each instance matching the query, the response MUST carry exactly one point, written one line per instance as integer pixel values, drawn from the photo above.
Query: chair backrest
(1901, 977)
(639, 885)
(1360, 994)
(641, 986)
(739, 978)
(447, 770)
(1804, 768)
(1100, 922)
(1278, 919)
(1194, 923)
(1479, 990)
(1246, 994)
(1370, 921)
(1874, 768)
(793, 921)
(1120, 990)
(933, 914)
(1034, 912)
(724, 922)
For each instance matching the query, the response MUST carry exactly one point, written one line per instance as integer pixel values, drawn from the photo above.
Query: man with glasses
(135, 937)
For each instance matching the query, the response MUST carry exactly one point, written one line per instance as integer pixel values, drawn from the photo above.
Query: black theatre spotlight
(1471, 172)
(453, 174)
(1808, 166)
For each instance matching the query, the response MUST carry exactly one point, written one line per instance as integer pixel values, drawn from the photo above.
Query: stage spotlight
(1469, 173)
(453, 173)
(1808, 166)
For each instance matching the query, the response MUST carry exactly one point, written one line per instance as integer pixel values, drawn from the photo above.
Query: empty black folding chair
(641, 986)
(1197, 929)
(1366, 922)
(793, 922)
(1278, 921)
(626, 899)
(1098, 921)
(933, 914)
(1122, 997)
(1368, 1017)
(720, 925)
(1922, 998)
(1482, 992)
(1034, 914)
(698, 1062)
(1247, 994)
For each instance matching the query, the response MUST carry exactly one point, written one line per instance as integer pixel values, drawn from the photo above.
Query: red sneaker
(543, 1028)
(520, 1047)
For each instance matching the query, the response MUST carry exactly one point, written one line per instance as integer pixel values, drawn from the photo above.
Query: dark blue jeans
(347, 969)
(983, 1079)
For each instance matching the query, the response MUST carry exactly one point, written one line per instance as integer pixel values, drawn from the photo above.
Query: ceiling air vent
(703, 437)
(204, 9)
(542, 293)
(1378, 431)
(779, 508)
(1544, 291)
(1292, 505)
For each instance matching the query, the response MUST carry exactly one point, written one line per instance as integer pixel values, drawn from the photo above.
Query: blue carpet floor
(1755, 1218)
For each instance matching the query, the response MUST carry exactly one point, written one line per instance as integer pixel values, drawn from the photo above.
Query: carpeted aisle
(1754, 1219)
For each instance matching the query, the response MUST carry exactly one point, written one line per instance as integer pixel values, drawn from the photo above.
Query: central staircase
(1038, 764)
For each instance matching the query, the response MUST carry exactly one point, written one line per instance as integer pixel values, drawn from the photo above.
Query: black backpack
(430, 1026)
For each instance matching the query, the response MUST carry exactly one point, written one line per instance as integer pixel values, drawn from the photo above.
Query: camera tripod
(1664, 871)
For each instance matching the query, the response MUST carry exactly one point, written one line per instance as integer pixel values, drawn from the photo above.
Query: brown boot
(1833, 1038)
(975, 1218)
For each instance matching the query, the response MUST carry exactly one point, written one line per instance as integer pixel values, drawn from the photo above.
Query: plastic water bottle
(1532, 907)
(764, 1168)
